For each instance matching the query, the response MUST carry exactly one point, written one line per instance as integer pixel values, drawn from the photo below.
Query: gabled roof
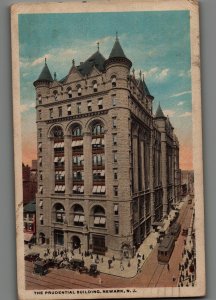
(45, 74)
(97, 60)
(117, 50)
(30, 207)
(145, 88)
(159, 113)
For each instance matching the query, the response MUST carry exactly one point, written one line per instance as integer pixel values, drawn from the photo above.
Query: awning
(94, 141)
(114, 79)
(102, 141)
(40, 189)
(62, 159)
(40, 159)
(97, 141)
(82, 189)
(81, 219)
(63, 188)
(102, 220)
(28, 236)
(41, 217)
(103, 189)
(94, 189)
(69, 108)
(103, 173)
(89, 103)
(55, 159)
(98, 188)
(76, 218)
(41, 203)
(97, 220)
(115, 207)
(100, 102)
(39, 145)
(61, 145)
(75, 188)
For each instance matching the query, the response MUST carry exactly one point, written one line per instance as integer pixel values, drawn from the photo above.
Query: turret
(43, 82)
(118, 63)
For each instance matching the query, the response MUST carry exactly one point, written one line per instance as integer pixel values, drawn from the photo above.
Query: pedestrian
(143, 257)
(173, 278)
(61, 253)
(113, 258)
(109, 263)
(121, 266)
(58, 251)
(168, 267)
(79, 249)
(48, 250)
(102, 259)
(91, 256)
(29, 245)
(129, 264)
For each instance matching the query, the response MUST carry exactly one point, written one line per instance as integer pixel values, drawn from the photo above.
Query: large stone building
(107, 168)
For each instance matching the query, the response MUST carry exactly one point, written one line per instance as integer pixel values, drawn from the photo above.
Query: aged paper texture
(108, 149)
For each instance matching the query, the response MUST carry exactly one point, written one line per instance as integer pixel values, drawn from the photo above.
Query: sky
(157, 43)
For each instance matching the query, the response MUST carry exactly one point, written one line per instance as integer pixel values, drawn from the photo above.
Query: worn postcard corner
(108, 150)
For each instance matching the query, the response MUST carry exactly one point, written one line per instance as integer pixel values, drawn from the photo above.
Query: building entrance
(98, 244)
(76, 242)
(58, 237)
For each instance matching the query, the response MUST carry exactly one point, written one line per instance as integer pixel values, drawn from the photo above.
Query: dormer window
(95, 87)
(55, 93)
(113, 80)
(79, 90)
(69, 92)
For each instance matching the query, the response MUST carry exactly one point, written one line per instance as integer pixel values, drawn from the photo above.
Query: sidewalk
(127, 269)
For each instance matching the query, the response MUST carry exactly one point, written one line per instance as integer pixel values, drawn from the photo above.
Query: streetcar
(165, 248)
(175, 230)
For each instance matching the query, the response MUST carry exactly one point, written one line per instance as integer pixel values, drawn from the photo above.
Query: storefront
(98, 244)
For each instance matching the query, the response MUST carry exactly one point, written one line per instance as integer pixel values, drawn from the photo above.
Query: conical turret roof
(159, 113)
(45, 74)
(117, 50)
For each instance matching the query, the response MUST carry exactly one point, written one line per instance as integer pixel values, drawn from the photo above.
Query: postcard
(108, 149)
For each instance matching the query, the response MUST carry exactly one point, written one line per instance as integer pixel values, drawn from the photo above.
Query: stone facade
(107, 168)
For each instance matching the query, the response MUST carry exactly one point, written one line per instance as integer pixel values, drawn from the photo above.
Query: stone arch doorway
(76, 243)
(42, 238)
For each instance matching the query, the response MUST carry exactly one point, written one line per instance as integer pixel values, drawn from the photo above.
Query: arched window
(79, 89)
(99, 216)
(78, 215)
(95, 86)
(57, 132)
(113, 80)
(97, 129)
(59, 212)
(77, 131)
(69, 92)
(39, 98)
(55, 93)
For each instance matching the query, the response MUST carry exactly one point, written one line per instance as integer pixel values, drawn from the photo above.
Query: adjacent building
(107, 167)
(29, 177)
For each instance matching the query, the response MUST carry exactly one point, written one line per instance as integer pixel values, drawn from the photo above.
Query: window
(78, 108)
(40, 132)
(114, 122)
(55, 93)
(100, 103)
(114, 137)
(115, 156)
(39, 99)
(41, 204)
(116, 227)
(41, 219)
(40, 147)
(60, 111)
(95, 87)
(41, 175)
(89, 105)
(41, 189)
(78, 189)
(113, 100)
(40, 161)
(98, 160)
(39, 114)
(115, 190)
(79, 90)
(116, 212)
(113, 80)
(115, 174)
(59, 213)
(99, 216)
(97, 129)
(77, 131)
(51, 113)
(69, 109)
(69, 92)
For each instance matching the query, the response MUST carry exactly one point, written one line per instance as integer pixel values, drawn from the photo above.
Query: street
(152, 273)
